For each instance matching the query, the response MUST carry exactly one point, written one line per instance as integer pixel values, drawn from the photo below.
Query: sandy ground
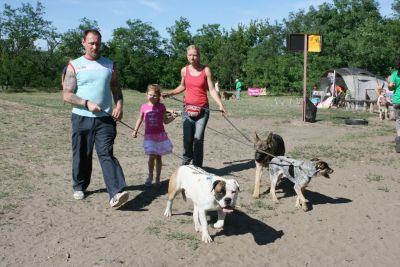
(353, 220)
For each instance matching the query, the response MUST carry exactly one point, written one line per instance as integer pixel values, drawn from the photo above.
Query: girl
(156, 142)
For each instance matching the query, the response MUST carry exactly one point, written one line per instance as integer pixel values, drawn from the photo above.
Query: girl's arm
(137, 125)
(168, 119)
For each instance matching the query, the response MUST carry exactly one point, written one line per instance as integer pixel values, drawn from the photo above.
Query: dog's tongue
(227, 210)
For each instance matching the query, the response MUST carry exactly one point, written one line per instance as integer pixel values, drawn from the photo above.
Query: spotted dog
(299, 172)
(207, 191)
(265, 150)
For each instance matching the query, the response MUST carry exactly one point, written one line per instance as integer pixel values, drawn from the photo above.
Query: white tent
(359, 83)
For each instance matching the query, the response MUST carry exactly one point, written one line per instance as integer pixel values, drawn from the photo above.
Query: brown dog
(265, 150)
(227, 96)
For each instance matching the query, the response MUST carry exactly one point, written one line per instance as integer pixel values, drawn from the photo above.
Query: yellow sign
(314, 43)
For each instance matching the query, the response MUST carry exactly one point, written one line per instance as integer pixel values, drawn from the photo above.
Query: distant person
(196, 80)
(394, 85)
(90, 85)
(339, 96)
(238, 87)
(156, 142)
(382, 103)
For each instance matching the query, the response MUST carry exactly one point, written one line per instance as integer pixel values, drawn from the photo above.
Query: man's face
(92, 45)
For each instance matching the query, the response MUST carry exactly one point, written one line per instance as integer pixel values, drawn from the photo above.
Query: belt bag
(193, 111)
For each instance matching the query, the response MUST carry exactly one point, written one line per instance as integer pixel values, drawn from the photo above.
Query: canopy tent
(360, 84)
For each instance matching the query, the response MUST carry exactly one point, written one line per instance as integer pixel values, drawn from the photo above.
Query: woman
(196, 81)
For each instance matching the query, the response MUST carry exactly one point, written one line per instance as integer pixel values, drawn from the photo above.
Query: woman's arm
(181, 87)
(212, 90)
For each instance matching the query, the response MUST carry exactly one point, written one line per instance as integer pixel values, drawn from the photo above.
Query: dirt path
(353, 220)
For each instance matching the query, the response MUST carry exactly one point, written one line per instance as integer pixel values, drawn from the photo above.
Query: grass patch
(9, 207)
(325, 151)
(374, 178)
(383, 188)
(189, 239)
(4, 194)
(285, 108)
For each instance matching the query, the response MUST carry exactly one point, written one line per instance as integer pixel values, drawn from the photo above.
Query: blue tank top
(93, 78)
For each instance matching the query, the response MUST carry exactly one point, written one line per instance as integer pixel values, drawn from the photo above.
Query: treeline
(355, 34)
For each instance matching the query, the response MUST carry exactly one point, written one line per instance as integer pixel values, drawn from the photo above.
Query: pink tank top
(153, 118)
(196, 89)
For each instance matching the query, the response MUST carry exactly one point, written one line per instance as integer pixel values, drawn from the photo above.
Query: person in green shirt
(394, 85)
(238, 89)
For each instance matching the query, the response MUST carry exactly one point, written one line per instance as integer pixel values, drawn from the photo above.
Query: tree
(21, 30)
(180, 39)
(136, 50)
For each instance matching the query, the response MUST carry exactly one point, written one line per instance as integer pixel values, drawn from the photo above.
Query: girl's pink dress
(156, 140)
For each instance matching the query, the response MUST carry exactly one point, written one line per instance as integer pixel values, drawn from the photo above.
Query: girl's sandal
(148, 182)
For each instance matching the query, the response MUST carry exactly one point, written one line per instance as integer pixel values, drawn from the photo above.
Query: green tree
(180, 39)
(22, 30)
(136, 49)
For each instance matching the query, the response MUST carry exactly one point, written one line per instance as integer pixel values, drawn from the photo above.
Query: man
(238, 89)
(394, 85)
(90, 85)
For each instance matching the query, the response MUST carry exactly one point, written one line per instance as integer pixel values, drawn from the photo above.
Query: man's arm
(69, 86)
(69, 95)
(117, 96)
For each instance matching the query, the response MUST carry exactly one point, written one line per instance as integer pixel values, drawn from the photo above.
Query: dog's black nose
(228, 200)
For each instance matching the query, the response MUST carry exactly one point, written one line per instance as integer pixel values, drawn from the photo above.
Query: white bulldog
(207, 191)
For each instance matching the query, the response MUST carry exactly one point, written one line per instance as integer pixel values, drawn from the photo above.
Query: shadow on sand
(239, 223)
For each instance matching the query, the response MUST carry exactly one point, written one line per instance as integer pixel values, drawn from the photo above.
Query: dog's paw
(206, 238)
(167, 213)
(197, 228)
(256, 195)
(275, 200)
(218, 224)
(304, 206)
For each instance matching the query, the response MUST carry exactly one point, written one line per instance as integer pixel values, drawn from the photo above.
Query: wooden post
(305, 78)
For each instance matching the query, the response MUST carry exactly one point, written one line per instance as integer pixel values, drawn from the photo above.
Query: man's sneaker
(119, 199)
(397, 141)
(78, 195)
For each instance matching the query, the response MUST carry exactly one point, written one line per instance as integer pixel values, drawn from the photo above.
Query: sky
(160, 14)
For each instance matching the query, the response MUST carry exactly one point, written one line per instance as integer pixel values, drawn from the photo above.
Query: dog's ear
(269, 138)
(256, 139)
(237, 184)
(315, 159)
(218, 186)
(320, 165)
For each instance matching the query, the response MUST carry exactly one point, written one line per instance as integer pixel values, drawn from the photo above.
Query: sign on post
(306, 43)
(295, 42)
(314, 43)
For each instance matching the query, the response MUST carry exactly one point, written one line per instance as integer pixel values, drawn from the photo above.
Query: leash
(180, 157)
(241, 133)
(127, 125)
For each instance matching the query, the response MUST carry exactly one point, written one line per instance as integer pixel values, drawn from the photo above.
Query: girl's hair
(195, 47)
(154, 87)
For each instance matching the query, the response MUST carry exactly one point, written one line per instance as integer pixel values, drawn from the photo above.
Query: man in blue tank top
(90, 85)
